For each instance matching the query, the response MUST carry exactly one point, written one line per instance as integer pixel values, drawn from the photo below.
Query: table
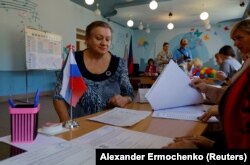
(142, 81)
(164, 127)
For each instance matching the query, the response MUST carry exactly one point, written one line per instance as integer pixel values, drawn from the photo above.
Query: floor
(46, 114)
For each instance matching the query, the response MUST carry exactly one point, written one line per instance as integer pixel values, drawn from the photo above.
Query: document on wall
(172, 89)
(184, 113)
(57, 154)
(117, 137)
(121, 117)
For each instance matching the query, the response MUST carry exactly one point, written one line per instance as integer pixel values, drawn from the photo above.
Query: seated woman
(108, 84)
(150, 68)
(225, 59)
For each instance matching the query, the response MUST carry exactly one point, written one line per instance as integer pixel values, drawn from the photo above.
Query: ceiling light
(130, 23)
(89, 2)
(204, 15)
(170, 26)
(153, 5)
(140, 27)
(97, 10)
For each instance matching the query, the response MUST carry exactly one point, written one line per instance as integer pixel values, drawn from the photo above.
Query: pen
(36, 100)
(11, 103)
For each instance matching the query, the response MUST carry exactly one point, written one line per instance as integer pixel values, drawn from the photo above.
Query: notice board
(43, 49)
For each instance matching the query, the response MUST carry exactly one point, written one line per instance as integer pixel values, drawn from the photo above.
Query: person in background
(183, 54)
(150, 69)
(194, 67)
(163, 57)
(228, 64)
(108, 84)
(234, 102)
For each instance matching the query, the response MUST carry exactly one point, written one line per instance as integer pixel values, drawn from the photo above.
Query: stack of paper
(172, 90)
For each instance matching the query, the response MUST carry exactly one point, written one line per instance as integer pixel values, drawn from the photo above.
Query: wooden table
(142, 81)
(157, 126)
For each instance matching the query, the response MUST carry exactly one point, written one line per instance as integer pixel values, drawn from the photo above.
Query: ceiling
(185, 12)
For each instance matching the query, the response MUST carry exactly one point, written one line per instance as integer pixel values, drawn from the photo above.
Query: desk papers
(121, 117)
(57, 154)
(117, 137)
(82, 149)
(172, 89)
(183, 113)
(40, 141)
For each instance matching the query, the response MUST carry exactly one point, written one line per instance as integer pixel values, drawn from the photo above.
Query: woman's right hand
(213, 111)
(220, 75)
(200, 85)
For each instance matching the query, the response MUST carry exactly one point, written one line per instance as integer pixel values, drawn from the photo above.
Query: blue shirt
(179, 53)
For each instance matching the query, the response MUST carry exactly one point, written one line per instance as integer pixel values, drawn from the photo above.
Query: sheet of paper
(57, 154)
(40, 141)
(183, 113)
(172, 89)
(116, 137)
(141, 95)
(121, 117)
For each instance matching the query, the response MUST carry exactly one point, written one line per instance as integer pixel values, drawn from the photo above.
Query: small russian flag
(73, 85)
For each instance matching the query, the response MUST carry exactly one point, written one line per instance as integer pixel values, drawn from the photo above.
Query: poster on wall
(43, 50)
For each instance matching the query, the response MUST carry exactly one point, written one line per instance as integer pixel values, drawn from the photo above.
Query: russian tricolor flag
(73, 85)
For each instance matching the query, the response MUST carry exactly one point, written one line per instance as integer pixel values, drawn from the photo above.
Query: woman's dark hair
(227, 51)
(149, 60)
(95, 24)
(165, 43)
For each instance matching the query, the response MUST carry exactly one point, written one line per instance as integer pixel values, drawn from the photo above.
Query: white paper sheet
(172, 89)
(63, 153)
(183, 113)
(116, 137)
(121, 117)
(141, 95)
(40, 141)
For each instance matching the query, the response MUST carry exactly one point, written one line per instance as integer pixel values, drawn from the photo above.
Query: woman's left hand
(119, 101)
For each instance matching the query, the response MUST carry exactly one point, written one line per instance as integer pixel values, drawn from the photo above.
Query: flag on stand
(125, 57)
(130, 59)
(73, 85)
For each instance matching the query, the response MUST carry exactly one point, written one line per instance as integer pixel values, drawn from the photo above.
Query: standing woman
(105, 75)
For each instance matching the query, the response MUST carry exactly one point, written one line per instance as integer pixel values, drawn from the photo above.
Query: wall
(63, 17)
(59, 17)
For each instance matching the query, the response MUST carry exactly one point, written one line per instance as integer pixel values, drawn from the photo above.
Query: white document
(116, 137)
(141, 95)
(172, 89)
(40, 141)
(121, 117)
(63, 153)
(183, 113)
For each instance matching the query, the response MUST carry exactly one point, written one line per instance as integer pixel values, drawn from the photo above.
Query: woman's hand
(181, 145)
(213, 111)
(200, 142)
(213, 94)
(220, 75)
(200, 85)
(119, 101)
